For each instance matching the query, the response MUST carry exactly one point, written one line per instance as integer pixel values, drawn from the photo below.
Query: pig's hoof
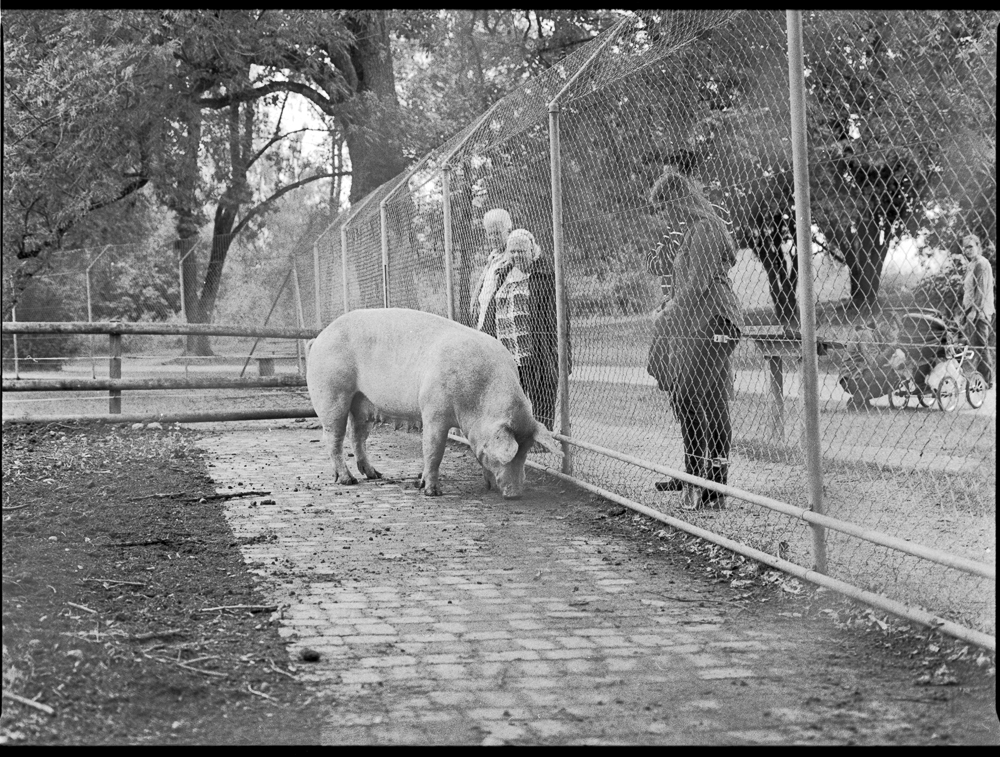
(372, 473)
(432, 491)
(347, 480)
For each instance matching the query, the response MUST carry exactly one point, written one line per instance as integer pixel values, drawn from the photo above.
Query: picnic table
(776, 343)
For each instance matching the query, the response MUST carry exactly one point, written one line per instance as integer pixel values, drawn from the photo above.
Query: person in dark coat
(524, 317)
(696, 331)
(526, 322)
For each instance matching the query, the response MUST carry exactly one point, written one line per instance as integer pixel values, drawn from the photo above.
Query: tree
(229, 64)
(901, 119)
(902, 123)
(78, 130)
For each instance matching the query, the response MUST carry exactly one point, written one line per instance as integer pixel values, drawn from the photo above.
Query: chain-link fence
(901, 157)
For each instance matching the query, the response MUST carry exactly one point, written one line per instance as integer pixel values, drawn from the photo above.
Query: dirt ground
(107, 593)
(132, 610)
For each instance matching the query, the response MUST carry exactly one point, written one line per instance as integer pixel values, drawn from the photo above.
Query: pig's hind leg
(363, 415)
(333, 416)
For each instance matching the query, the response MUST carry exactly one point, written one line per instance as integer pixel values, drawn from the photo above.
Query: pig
(416, 367)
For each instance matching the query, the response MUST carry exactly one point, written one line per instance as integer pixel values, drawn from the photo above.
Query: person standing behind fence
(696, 333)
(978, 307)
(526, 322)
(482, 307)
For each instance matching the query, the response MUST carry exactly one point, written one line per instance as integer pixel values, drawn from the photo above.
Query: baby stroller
(937, 364)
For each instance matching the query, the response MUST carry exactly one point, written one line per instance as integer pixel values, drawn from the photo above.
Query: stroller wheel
(975, 389)
(947, 394)
(899, 395)
(925, 395)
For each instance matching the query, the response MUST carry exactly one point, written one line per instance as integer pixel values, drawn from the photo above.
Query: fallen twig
(113, 581)
(18, 507)
(81, 607)
(146, 543)
(185, 666)
(156, 635)
(199, 670)
(202, 659)
(92, 636)
(251, 608)
(276, 669)
(157, 496)
(681, 599)
(29, 702)
(223, 496)
(259, 693)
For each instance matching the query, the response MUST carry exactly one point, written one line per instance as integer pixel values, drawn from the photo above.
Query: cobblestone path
(467, 619)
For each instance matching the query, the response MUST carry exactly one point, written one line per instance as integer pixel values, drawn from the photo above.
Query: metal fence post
(807, 303)
(13, 317)
(385, 252)
(562, 305)
(115, 372)
(317, 288)
(90, 319)
(448, 273)
(562, 316)
(90, 312)
(300, 317)
(343, 262)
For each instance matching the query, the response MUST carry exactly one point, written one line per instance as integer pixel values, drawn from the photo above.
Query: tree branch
(260, 207)
(325, 104)
(275, 139)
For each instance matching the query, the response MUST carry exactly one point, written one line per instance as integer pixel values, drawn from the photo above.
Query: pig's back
(400, 354)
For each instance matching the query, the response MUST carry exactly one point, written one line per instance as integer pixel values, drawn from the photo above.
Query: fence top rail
(172, 329)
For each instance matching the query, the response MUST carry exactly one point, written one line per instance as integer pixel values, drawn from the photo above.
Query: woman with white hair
(498, 225)
(516, 303)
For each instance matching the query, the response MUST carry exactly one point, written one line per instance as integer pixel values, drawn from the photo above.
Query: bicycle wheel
(899, 395)
(975, 389)
(947, 394)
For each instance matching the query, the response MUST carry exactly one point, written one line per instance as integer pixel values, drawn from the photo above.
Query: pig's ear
(543, 437)
(501, 445)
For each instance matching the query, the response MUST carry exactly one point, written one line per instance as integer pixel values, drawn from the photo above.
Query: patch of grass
(922, 475)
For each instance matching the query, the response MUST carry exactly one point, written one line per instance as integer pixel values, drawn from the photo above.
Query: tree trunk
(222, 239)
(865, 264)
(228, 208)
(184, 205)
(782, 282)
(372, 127)
(188, 256)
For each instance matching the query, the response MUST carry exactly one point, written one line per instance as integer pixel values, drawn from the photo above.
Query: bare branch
(275, 139)
(262, 206)
(325, 103)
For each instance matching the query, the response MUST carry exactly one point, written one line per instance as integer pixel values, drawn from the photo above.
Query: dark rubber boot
(718, 472)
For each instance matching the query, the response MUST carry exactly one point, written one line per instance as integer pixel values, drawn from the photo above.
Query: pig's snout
(510, 482)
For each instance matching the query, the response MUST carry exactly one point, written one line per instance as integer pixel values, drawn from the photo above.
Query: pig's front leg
(434, 437)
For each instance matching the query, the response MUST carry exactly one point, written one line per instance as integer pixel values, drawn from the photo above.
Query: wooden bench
(271, 351)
